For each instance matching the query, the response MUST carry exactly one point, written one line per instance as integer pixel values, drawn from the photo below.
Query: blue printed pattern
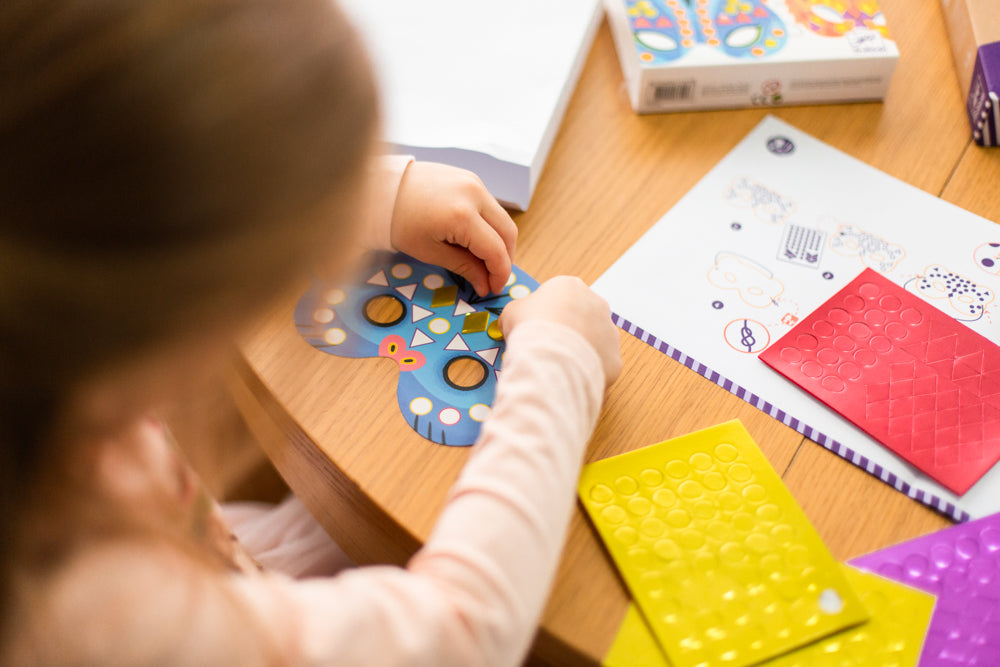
(444, 338)
(665, 30)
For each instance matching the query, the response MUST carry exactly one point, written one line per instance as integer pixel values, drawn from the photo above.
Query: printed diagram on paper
(776, 228)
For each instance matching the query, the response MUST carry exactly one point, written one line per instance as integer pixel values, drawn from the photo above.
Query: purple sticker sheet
(961, 566)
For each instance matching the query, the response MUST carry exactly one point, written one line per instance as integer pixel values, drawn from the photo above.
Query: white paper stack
(480, 84)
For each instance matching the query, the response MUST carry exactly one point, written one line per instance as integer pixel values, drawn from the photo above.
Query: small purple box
(983, 103)
(974, 30)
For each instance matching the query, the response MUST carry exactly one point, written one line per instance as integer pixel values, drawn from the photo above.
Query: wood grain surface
(331, 425)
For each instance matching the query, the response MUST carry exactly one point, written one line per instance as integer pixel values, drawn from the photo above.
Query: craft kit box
(974, 29)
(680, 55)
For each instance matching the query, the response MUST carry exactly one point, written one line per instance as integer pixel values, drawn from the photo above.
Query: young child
(168, 169)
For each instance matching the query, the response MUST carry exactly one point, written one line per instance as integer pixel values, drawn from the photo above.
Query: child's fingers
(459, 260)
(497, 217)
(569, 301)
(486, 244)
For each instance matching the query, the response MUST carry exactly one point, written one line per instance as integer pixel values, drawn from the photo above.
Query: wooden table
(330, 424)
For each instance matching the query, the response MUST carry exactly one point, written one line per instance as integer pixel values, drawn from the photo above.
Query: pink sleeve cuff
(387, 172)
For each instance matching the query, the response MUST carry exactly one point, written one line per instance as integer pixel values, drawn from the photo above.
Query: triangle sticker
(968, 346)
(379, 279)
(968, 399)
(917, 350)
(457, 343)
(490, 355)
(942, 348)
(420, 313)
(420, 338)
(943, 368)
(961, 372)
(408, 291)
(940, 328)
(991, 383)
(991, 413)
(971, 385)
(497, 373)
(462, 308)
(972, 361)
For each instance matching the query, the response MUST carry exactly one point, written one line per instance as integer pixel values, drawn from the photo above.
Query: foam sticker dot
(334, 336)
(721, 532)
(480, 412)
(439, 325)
(519, 291)
(421, 405)
(450, 416)
(494, 331)
(323, 315)
(402, 271)
(334, 297)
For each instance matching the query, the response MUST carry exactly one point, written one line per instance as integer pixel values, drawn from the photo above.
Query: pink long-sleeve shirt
(472, 595)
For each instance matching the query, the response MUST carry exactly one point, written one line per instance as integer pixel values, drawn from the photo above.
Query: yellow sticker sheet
(894, 635)
(723, 563)
(634, 645)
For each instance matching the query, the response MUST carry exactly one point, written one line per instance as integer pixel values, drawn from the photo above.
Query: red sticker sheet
(916, 380)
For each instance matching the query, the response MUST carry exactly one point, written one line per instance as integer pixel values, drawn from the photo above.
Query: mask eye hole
(743, 37)
(465, 373)
(655, 41)
(384, 310)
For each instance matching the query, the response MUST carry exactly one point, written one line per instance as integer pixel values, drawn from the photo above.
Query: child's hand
(568, 301)
(445, 216)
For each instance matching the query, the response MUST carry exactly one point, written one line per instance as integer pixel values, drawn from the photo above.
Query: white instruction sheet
(781, 224)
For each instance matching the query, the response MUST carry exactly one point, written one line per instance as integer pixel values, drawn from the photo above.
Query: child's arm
(471, 596)
(474, 593)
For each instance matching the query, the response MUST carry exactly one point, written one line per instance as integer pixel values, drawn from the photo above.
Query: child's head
(167, 167)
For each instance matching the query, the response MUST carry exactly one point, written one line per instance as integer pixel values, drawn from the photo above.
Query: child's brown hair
(162, 166)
